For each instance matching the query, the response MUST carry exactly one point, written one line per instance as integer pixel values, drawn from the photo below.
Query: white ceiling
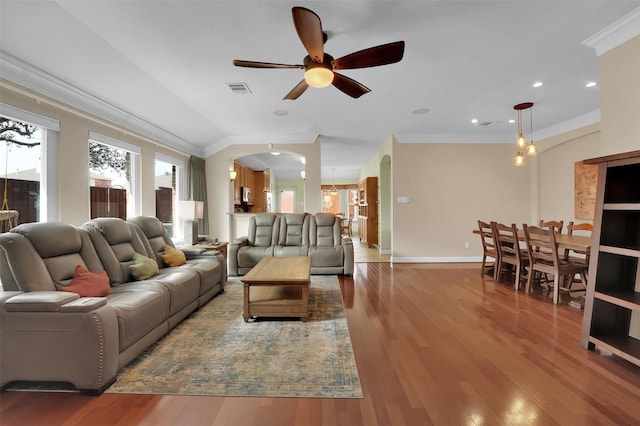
(167, 63)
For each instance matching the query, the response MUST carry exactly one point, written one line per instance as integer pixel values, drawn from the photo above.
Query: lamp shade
(190, 210)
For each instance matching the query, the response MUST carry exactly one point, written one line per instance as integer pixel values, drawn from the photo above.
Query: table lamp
(191, 212)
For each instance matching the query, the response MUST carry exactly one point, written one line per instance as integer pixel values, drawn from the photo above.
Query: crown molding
(575, 123)
(36, 80)
(619, 32)
(569, 125)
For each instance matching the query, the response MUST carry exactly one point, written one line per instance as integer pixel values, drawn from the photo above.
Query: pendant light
(518, 160)
(333, 190)
(521, 142)
(530, 147)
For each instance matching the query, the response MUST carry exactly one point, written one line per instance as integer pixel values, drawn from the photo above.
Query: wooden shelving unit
(368, 211)
(612, 306)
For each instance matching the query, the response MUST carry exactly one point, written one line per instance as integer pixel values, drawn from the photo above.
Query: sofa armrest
(241, 241)
(234, 247)
(39, 301)
(347, 247)
(192, 253)
(58, 336)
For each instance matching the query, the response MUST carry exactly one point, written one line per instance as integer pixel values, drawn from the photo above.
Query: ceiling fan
(320, 67)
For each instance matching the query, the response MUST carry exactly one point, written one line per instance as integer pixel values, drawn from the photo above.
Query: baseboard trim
(435, 259)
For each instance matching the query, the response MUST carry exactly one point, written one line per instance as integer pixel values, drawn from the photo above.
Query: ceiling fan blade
(372, 57)
(349, 85)
(254, 64)
(309, 30)
(297, 91)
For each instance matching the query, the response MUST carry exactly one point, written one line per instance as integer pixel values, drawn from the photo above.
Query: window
(169, 173)
(27, 165)
(113, 177)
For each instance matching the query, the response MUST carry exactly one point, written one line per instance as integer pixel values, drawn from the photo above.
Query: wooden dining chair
(345, 227)
(578, 256)
(544, 259)
(510, 253)
(556, 224)
(489, 249)
(583, 229)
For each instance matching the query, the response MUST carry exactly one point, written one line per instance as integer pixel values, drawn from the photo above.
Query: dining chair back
(582, 229)
(510, 253)
(489, 249)
(548, 224)
(345, 227)
(544, 258)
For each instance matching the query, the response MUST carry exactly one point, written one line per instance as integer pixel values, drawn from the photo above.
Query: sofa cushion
(248, 257)
(143, 267)
(172, 257)
(139, 308)
(88, 284)
(263, 230)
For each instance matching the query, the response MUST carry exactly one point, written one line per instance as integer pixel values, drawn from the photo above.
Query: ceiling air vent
(486, 123)
(239, 88)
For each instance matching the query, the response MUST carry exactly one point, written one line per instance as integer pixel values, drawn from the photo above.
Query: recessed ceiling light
(537, 84)
(474, 120)
(420, 111)
(281, 112)
(591, 84)
(512, 121)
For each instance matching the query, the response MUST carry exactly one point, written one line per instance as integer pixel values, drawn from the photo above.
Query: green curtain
(197, 189)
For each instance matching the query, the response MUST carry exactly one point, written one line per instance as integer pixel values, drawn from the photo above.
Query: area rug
(214, 352)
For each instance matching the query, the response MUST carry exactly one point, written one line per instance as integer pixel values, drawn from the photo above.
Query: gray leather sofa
(52, 335)
(293, 234)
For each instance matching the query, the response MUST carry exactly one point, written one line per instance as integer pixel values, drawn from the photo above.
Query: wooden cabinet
(368, 211)
(612, 306)
(255, 181)
(257, 193)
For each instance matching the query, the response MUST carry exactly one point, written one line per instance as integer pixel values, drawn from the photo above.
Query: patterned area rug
(214, 352)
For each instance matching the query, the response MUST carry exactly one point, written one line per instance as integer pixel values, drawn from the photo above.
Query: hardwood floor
(434, 344)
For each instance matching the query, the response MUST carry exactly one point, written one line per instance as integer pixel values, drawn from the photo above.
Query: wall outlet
(466, 245)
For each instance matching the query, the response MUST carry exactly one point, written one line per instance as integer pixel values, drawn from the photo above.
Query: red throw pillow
(88, 284)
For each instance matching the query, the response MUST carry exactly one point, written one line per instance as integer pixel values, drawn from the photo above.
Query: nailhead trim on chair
(101, 340)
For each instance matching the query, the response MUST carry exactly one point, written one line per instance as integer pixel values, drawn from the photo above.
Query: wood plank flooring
(434, 344)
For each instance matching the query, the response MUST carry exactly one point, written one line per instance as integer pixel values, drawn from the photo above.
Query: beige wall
(452, 186)
(620, 98)
(73, 153)
(372, 167)
(556, 183)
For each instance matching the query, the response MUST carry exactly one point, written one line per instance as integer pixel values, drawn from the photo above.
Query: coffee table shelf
(278, 287)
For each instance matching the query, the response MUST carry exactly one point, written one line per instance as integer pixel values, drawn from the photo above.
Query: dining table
(565, 241)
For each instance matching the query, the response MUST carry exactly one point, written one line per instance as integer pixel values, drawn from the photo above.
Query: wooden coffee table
(278, 287)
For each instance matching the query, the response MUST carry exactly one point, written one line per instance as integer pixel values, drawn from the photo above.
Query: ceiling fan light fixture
(318, 77)
(318, 74)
